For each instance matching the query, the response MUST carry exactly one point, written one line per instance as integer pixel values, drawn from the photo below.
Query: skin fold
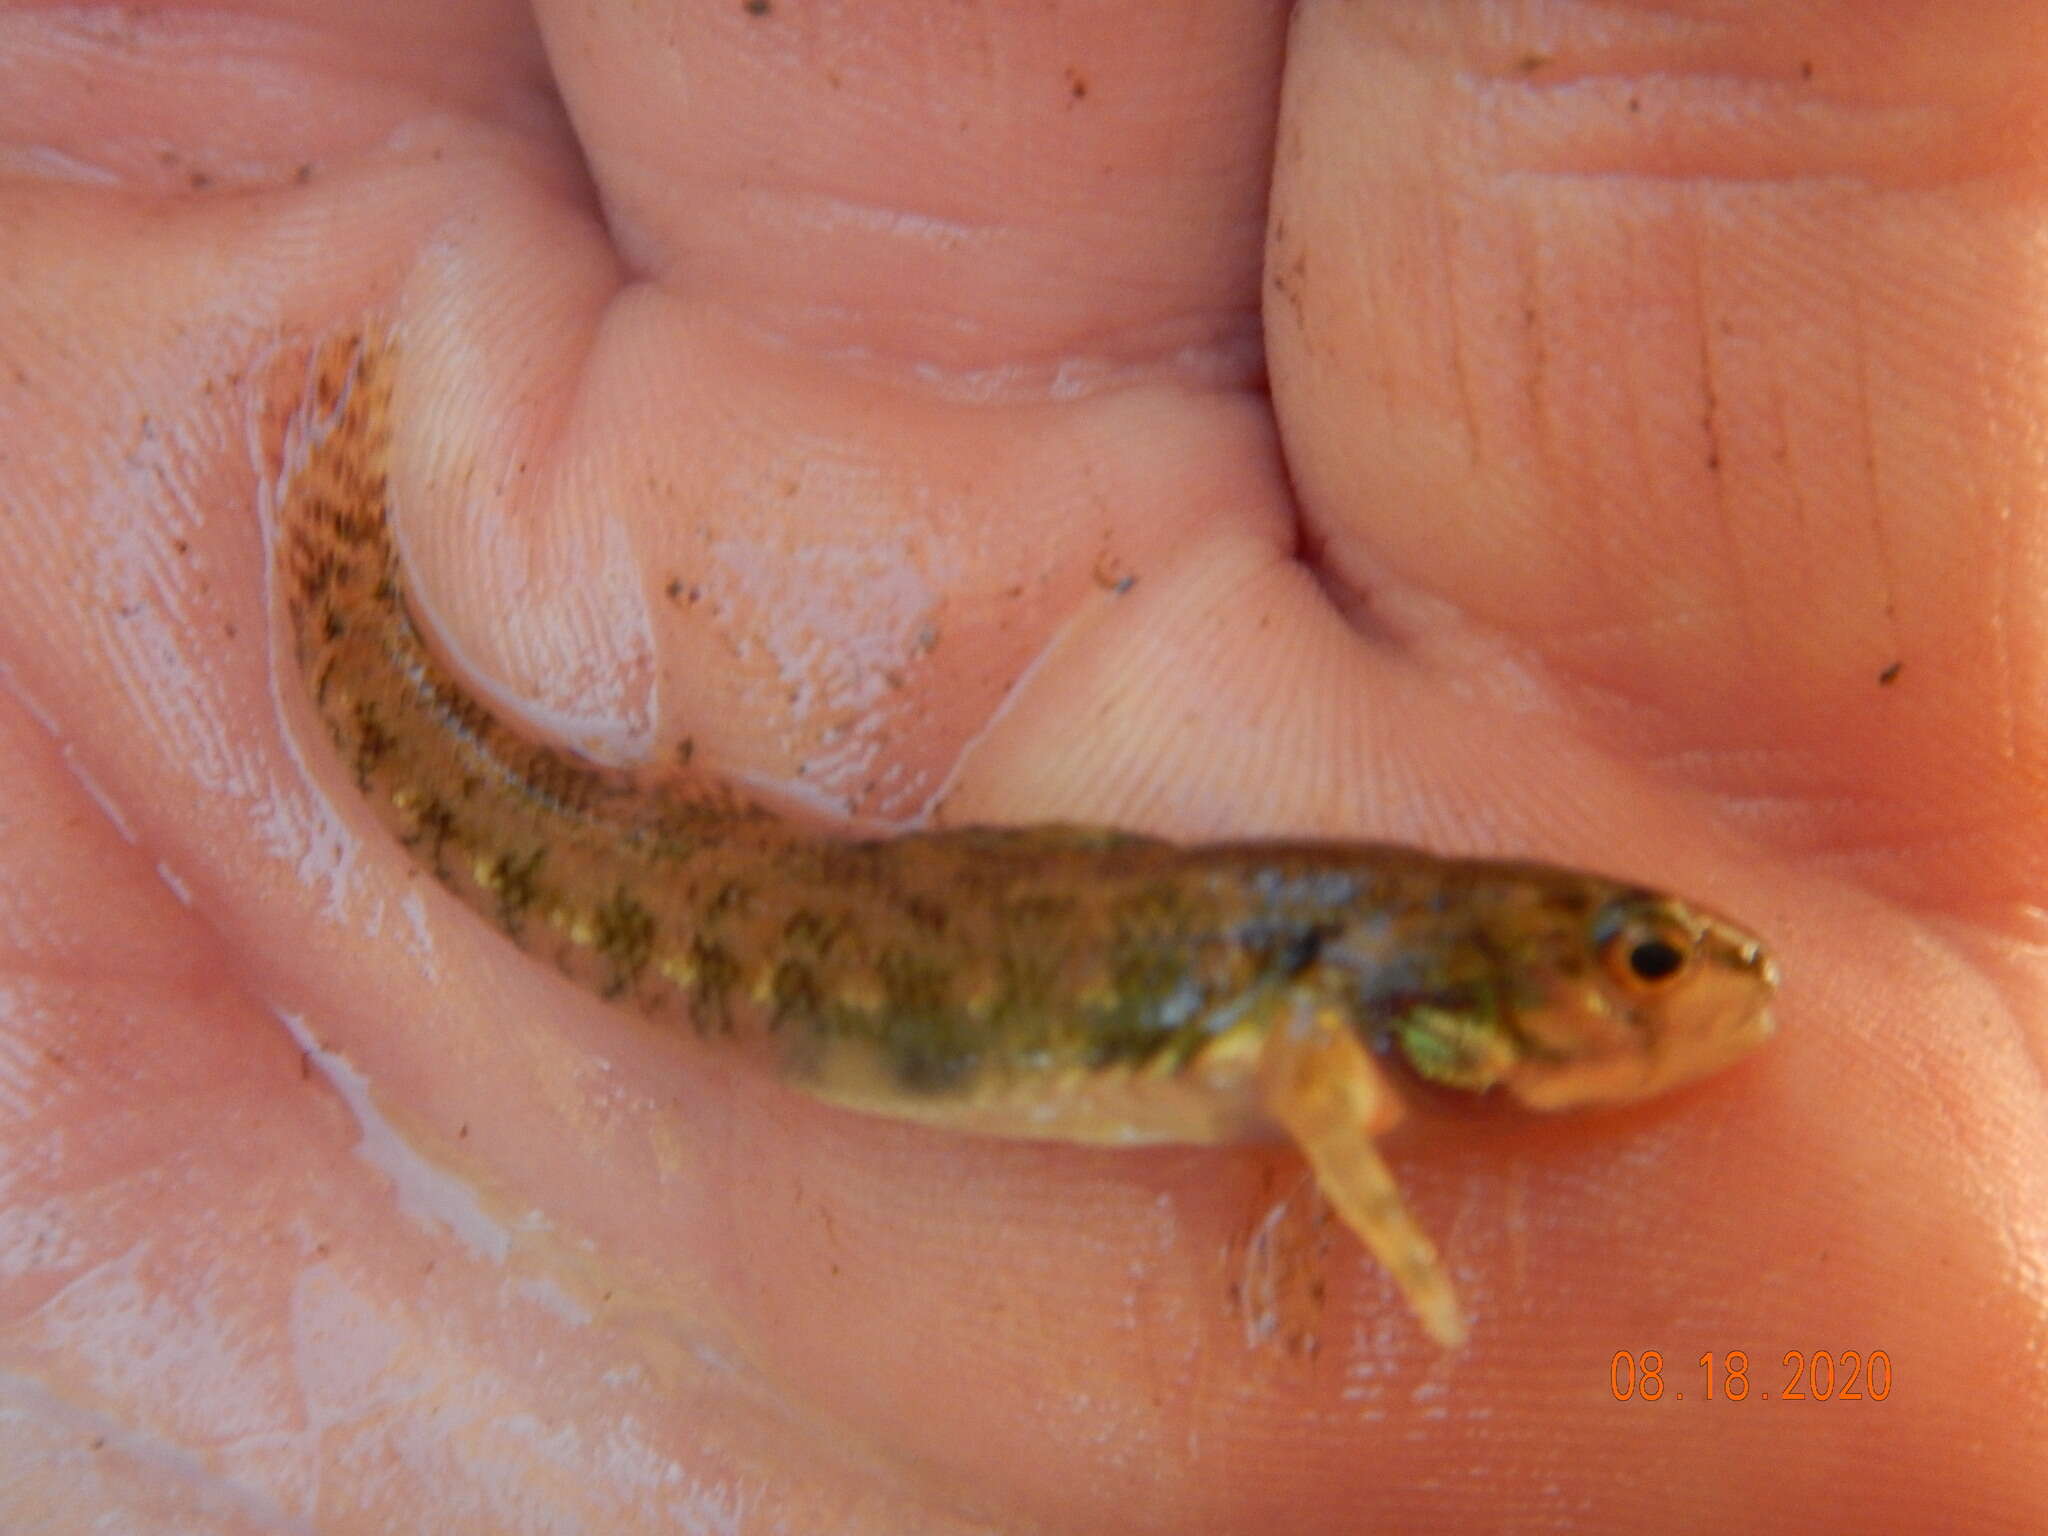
(1603, 437)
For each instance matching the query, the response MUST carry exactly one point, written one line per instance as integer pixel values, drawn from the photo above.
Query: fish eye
(1645, 952)
(1655, 959)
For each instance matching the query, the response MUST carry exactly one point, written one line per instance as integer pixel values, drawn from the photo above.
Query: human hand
(881, 406)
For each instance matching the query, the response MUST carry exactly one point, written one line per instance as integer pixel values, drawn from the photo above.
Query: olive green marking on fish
(435, 828)
(372, 742)
(715, 973)
(514, 879)
(813, 933)
(797, 993)
(624, 938)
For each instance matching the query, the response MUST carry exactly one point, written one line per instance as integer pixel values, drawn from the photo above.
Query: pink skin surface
(1625, 451)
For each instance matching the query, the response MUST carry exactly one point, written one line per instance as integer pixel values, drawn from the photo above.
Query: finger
(1688, 363)
(889, 354)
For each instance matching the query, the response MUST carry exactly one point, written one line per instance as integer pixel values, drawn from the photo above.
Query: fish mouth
(1687, 1061)
(1748, 956)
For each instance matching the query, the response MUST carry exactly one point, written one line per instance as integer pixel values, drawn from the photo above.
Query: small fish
(1058, 982)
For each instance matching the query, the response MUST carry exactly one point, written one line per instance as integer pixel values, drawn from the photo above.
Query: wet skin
(1654, 502)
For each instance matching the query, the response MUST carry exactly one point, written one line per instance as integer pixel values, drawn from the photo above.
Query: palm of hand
(1649, 503)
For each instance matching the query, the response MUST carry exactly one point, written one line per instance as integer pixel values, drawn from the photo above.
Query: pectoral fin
(1320, 1085)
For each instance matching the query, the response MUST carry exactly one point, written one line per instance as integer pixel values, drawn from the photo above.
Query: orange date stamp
(1801, 1376)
